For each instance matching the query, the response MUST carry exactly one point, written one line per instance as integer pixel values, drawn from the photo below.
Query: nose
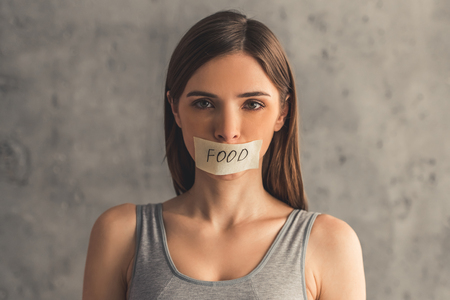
(227, 125)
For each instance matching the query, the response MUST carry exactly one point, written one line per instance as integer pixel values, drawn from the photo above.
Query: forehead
(231, 74)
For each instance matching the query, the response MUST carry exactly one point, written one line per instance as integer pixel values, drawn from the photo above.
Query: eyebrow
(209, 95)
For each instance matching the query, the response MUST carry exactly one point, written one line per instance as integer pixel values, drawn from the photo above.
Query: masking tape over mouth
(223, 159)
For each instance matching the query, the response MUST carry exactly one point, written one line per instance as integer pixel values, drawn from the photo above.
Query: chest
(205, 254)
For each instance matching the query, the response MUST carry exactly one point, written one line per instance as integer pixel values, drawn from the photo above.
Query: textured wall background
(81, 85)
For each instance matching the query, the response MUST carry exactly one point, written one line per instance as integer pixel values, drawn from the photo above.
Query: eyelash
(198, 103)
(252, 102)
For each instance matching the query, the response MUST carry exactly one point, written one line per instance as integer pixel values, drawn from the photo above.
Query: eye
(202, 104)
(253, 105)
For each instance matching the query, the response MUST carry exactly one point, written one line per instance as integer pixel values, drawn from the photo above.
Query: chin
(228, 177)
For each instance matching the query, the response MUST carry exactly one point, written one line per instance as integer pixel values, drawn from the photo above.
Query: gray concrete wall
(81, 86)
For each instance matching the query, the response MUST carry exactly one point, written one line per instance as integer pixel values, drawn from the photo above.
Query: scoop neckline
(184, 277)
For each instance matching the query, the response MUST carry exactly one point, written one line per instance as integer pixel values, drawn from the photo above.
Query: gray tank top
(279, 275)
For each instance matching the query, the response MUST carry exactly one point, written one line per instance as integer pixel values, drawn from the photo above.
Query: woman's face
(230, 99)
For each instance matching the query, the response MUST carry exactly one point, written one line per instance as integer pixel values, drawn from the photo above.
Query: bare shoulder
(331, 231)
(335, 258)
(114, 227)
(119, 216)
(114, 231)
(110, 252)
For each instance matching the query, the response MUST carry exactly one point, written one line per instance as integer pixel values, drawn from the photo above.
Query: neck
(227, 200)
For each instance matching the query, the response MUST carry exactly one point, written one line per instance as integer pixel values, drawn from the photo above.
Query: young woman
(232, 232)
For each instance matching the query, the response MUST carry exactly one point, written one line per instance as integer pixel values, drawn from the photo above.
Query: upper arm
(111, 249)
(335, 257)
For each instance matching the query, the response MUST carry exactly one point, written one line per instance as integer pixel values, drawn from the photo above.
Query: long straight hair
(223, 33)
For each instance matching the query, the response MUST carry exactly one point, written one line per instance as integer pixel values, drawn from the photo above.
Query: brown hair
(222, 33)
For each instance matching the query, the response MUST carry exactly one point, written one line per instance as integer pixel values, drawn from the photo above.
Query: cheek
(192, 127)
(188, 142)
(264, 131)
(265, 145)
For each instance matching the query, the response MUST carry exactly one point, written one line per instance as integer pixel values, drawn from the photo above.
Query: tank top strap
(149, 255)
(287, 259)
(297, 231)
